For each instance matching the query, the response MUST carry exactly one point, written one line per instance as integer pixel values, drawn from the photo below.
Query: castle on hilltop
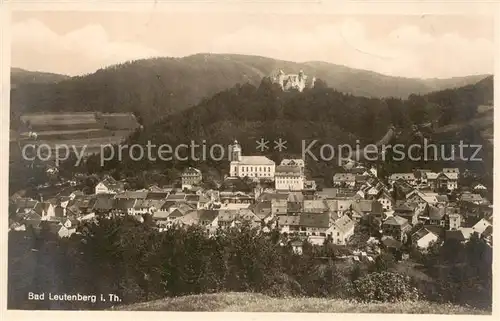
(292, 81)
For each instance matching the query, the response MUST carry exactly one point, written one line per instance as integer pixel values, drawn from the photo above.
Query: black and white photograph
(233, 161)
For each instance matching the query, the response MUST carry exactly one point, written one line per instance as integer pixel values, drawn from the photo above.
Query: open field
(78, 138)
(252, 302)
(76, 130)
(484, 120)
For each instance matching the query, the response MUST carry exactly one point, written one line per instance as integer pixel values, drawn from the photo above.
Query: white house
(407, 177)
(109, 186)
(481, 226)
(294, 162)
(423, 238)
(341, 230)
(65, 232)
(479, 187)
(289, 177)
(344, 179)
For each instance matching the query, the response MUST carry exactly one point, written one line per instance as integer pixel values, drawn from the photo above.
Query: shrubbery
(384, 287)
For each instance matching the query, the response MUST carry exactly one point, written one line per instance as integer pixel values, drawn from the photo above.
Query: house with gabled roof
(294, 162)
(288, 178)
(406, 177)
(289, 224)
(360, 180)
(430, 179)
(344, 180)
(423, 238)
(472, 198)
(103, 204)
(161, 218)
(262, 210)
(109, 186)
(191, 177)
(442, 199)
(237, 197)
(362, 208)
(327, 193)
(233, 218)
(208, 218)
(396, 226)
(279, 206)
(462, 235)
(420, 196)
(481, 226)
(479, 187)
(65, 231)
(25, 205)
(124, 206)
(31, 218)
(314, 206)
(341, 230)
(314, 224)
(296, 245)
(385, 199)
(147, 206)
(272, 196)
(407, 210)
(132, 195)
(435, 215)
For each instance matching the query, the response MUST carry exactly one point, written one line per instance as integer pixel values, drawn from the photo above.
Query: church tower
(236, 152)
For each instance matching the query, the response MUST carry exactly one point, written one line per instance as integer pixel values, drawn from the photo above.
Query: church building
(250, 166)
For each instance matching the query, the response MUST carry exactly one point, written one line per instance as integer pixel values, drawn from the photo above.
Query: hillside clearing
(252, 302)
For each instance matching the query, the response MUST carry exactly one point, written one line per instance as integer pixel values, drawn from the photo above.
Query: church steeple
(236, 151)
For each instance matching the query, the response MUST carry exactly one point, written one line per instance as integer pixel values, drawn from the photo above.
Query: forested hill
(331, 114)
(19, 77)
(157, 87)
(248, 113)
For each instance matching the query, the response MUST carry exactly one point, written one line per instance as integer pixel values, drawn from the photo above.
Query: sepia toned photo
(251, 162)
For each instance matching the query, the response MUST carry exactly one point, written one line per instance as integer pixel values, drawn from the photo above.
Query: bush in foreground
(384, 287)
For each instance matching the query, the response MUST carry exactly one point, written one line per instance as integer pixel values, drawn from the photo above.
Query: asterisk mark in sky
(262, 144)
(280, 144)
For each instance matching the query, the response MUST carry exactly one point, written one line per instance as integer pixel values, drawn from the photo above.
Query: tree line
(136, 262)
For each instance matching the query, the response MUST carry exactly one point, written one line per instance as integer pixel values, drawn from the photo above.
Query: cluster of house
(435, 217)
(447, 179)
(404, 207)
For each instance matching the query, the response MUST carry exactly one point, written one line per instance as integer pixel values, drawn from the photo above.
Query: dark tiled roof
(103, 203)
(344, 177)
(390, 242)
(396, 220)
(287, 169)
(207, 215)
(124, 204)
(454, 235)
(320, 220)
(436, 213)
(289, 220)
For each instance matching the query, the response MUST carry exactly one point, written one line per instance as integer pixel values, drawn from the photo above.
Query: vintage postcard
(177, 157)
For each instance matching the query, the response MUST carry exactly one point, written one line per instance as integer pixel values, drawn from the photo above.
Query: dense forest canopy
(248, 113)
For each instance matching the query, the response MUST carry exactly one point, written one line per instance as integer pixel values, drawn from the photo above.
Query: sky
(428, 46)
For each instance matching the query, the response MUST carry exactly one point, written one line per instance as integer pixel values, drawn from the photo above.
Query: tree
(383, 262)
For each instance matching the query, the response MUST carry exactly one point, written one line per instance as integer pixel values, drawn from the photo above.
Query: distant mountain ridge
(153, 88)
(19, 76)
